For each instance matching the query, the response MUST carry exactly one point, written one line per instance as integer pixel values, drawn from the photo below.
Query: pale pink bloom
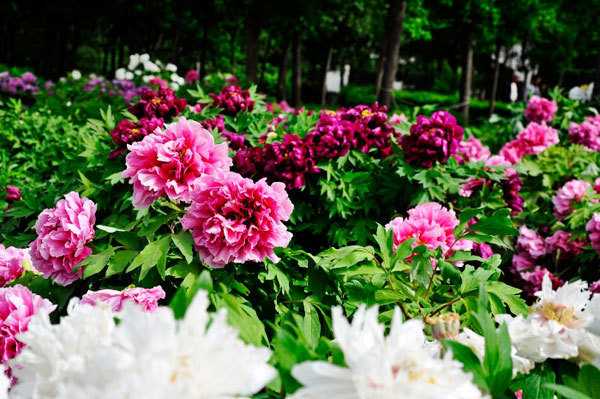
(522, 263)
(498, 160)
(63, 233)
(534, 139)
(588, 133)
(573, 191)
(466, 189)
(531, 242)
(513, 151)
(146, 297)
(593, 229)
(234, 219)
(540, 109)
(519, 394)
(11, 263)
(560, 241)
(17, 306)
(167, 163)
(472, 150)
(395, 118)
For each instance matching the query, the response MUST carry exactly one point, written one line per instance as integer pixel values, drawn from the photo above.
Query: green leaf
(509, 296)
(154, 254)
(470, 361)
(589, 378)
(184, 242)
(421, 269)
(119, 261)
(471, 278)
(311, 326)
(535, 384)
(568, 393)
(344, 257)
(242, 316)
(94, 263)
(499, 224)
(449, 272)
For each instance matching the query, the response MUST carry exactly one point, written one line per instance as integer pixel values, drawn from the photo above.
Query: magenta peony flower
(472, 151)
(236, 141)
(13, 194)
(593, 229)
(167, 163)
(534, 139)
(540, 109)
(573, 191)
(192, 76)
(560, 241)
(63, 233)
(146, 297)
(156, 81)
(531, 275)
(233, 100)
(595, 287)
(128, 132)
(587, 134)
(371, 129)
(433, 139)
(11, 263)
(332, 137)
(466, 189)
(17, 306)
(510, 191)
(234, 219)
(431, 225)
(531, 242)
(161, 104)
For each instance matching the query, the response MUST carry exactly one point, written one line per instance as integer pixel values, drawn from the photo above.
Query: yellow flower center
(366, 113)
(561, 314)
(156, 100)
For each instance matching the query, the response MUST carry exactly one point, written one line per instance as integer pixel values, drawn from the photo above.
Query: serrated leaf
(151, 256)
(95, 263)
(499, 224)
(184, 242)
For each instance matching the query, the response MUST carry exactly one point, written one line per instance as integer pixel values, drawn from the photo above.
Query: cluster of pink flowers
(472, 150)
(26, 84)
(431, 225)
(63, 233)
(17, 306)
(192, 76)
(232, 99)
(432, 139)
(128, 132)
(147, 298)
(234, 219)
(573, 191)
(540, 109)
(167, 163)
(236, 141)
(534, 139)
(13, 194)
(11, 263)
(587, 133)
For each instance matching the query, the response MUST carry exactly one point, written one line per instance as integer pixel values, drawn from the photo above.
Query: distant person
(514, 88)
(534, 87)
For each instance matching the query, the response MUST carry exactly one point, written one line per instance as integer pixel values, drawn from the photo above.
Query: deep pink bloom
(234, 219)
(29, 77)
(167, 163)
(431, 225)
(466, 189)
(573, 191)
(128, 132)
(540, 109)
(519, 394)
(593, 229)
(146, 297)
(595, 287)
(534, 139)
(159, 82)
(161, 104)
(561, 241)
(192, 76)
(587, 134)
(17, 306)
(236, 141)
(531, 275)
(522, 263)
(596, 186)
(472, 150)
(510, 191)
(11, 263)
(232, 80)
(13, 194)
(233, 100)
(332, 137)
(433, 139)
(531, 243)
(371, 129)
(63, 233)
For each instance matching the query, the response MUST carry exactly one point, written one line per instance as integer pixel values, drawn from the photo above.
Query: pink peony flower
(540, 109)
(596, 186)
(466, 189)
(234, 219)
(522, 263)
(17, 306)
(534, 139)
(510, 191)
(559, 241)
(431, 225)
(472, 151)
(159, 82)
(332, 137)
(13, 194)
(519, 394)
(595, 287)
(11, 263)
(63, 233)
(587, 134)
(146, 297)
(168, 163)
(573, 191)
(531, 243)
(395, 118)
(533, 280)
(192, 76)
(593, 229)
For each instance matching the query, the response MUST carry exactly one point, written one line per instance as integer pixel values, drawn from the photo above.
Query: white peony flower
(151, 67)
(134, 61)
(144, 58)
(174, 86)
(137, 73)
(171, 67)
(129, 75)
(399, 366)
(477, 343)
(75, 74)
(4, 385)
(147, 78)
(556, 326)
(120, 73)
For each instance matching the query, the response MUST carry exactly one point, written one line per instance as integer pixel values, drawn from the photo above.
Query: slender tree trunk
(495, 80)
(325, 71)
(596, 91)
(380, 64)
(467, 76)
(561, 77)
(296, 71)
(203, 42)
(252, 43)
(395, 22)
(283, 71)
(263, 62)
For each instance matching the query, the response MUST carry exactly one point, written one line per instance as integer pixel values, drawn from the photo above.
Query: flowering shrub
(540, 110)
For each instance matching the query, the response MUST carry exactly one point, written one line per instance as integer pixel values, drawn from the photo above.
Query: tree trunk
(203, 45)
(296, 71)
(467, 76)
(252, 41)
(495, 81)
(395, 22)
(325, 71)
(283, 71)
(596, 91)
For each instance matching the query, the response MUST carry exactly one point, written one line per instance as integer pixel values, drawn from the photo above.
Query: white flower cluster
(401, 365)
(143, 355)
(141, 65)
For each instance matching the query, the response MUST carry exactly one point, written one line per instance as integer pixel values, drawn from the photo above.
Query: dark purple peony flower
(128, 132)
(510, 189)
(161, 104)
(233, 100)
(371, 127)
(332, 137)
